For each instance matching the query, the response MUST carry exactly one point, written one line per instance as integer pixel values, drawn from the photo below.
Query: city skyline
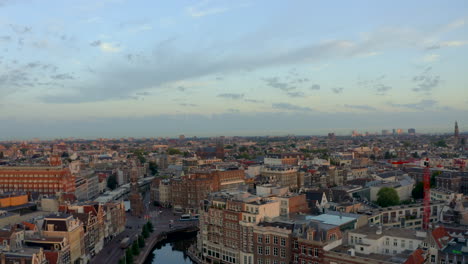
(120, 69)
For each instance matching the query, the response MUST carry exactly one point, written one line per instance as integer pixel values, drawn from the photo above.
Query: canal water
(172, 250)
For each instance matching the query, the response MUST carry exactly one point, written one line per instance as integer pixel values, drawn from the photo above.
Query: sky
(121, 68)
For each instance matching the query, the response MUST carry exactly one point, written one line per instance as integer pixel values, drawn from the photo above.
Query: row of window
(282, 251)
(267, 240)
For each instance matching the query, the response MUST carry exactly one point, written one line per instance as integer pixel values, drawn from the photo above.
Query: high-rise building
(412, 131)
(456, 136)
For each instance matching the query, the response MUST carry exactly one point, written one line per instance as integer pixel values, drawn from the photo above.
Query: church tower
(456, 136)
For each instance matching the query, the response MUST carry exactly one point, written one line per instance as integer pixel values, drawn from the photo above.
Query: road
(112, 252)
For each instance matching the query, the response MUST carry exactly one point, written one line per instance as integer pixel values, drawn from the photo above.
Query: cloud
(63, 76)
(253, 101)
(20, 29)
(232, 96)
(95, 43)
(431, 58)
(375, 84)
(275, 82)
(206, 8)
(337, 90)
(5, 38)
(361, 107)
(189, 105)
(315, 87)
(107, 46)
(296, 94)
(143, 93)
(168, 63)
(425, 81)
(291, 107)
(422, 105)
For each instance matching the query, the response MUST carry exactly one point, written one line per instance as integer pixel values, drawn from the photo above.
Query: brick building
(272, 242)
(44, 180)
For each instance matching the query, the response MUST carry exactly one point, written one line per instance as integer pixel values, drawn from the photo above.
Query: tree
(387, 197)
(145, 232)
(141, 241)
(150, 226)
(135, 248)
(173, 151)
(418, 191)
(441, 143)
(129, 256)
(112, 182)
(122, 260)
(243, 149)
(153, 167)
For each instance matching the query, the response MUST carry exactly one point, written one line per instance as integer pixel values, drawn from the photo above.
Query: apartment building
(44, 180)
(404, 216)
(283, 175)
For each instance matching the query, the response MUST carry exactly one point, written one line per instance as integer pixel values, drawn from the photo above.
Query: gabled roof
(440, 236)
(416, 257)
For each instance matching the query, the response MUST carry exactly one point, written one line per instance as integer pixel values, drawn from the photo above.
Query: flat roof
(329, 219)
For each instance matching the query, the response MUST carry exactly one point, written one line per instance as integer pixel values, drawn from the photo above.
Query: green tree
(141, 241)
(418, 191)
(173, 151)
(150, 226)
(135, 248)
(243, 149)
(153, 167)
(112, 182)
(387, 155)
(145, 232)
(122, 260)
(129, 256)
(441, 143)
(387, 197)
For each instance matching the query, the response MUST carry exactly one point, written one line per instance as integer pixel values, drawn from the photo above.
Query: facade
(66, 226)
(283, 175)
(272, 242)
(404, 216)
(44, 180)
(13, 199)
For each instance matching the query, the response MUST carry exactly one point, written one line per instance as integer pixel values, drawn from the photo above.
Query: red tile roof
(438, 234)
(416, 258)
(52, 257)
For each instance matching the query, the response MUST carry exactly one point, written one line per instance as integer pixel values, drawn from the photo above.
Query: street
(112, 252)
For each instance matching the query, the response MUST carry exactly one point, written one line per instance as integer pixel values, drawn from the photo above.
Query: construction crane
(427, 195)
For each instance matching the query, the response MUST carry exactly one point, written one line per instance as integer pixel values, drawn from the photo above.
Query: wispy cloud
(106, 46)
(360, 107)
(232, 96)
(337, 90)
(291, 107)
(426, 81)
(430, 58)
(422, 105)
(315, 87)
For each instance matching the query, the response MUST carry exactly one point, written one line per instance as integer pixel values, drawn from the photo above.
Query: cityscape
(233, 132)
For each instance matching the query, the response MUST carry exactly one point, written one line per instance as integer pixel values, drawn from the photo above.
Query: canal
(172, 250)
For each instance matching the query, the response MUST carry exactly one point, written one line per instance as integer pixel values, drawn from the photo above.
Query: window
(267, 239)
(260, 261)
(387, 241)
(283, 241)
(411, 244)
(303, 250)
(296, 245)
(316, 252)
(275, 251)
(260, 250)
(395, 242)
(259, 239)
(403, 242)
(275, 240)
(386, 250)
(352, 239)
(267, 250)
(283, 253)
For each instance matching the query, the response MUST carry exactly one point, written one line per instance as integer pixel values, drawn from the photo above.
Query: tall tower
(136, 200)
(456, 136)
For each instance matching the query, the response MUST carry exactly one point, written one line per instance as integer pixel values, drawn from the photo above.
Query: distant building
(412, 131)
(43, 180)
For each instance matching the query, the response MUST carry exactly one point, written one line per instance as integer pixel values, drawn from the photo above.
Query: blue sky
(211, 67)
